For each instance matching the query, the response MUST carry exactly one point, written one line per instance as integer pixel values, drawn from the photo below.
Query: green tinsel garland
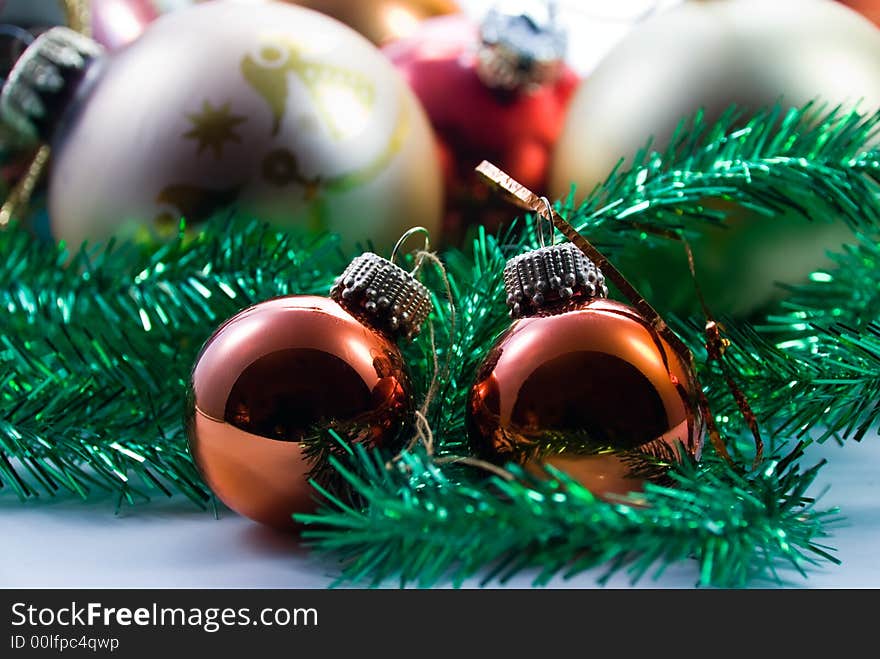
(95, 354)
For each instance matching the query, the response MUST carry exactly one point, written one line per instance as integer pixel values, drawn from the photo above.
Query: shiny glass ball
(590, 388)
(275, 374)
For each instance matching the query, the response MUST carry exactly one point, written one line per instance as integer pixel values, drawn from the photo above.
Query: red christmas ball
(481, 111)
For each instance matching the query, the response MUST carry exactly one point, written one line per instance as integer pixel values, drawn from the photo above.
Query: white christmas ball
(709, 54)
(278, 111)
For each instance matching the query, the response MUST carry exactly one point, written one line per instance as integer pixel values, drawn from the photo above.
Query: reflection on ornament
(112, 23)
(358, 177)
(213, 127)
(116, 23)
(581, 382)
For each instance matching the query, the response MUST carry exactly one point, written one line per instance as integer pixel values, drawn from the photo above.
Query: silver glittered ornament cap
(43, 80)
(520, 50)
(549, 275)
(390, 298)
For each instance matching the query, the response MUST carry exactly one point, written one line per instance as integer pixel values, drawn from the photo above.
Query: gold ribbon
(77, 16)
(528, 200)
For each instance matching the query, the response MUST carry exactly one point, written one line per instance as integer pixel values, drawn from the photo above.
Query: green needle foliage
(826, 385)
(757, 163)
(421, 526)
(848, 293)
(96, 350)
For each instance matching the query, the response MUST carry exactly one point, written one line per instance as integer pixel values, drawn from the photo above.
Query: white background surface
(169, 543)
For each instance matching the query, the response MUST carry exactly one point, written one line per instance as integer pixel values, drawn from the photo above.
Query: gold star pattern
(213, 127)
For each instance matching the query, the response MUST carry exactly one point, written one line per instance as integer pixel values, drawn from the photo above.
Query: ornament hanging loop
(420, 258)
(525, 198)
(546, 218)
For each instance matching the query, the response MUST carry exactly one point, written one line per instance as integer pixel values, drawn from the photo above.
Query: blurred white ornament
(278, 111)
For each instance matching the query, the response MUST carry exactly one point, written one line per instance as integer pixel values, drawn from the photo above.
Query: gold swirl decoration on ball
(279, 56)
(266, 72)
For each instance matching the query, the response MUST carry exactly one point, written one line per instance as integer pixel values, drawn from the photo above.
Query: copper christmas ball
(381, 20)
(587, 385)
(276, 373)
(708, 55)
(870, 9)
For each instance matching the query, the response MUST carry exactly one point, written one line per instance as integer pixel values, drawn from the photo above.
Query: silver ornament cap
(520, 50)
(42, 82)
(549, 275)
(384, 294)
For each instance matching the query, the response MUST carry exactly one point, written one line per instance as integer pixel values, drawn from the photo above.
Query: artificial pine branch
(167, 288)
(812, 366)
(848, 291)
(422, 527)
(477, 287)
(97, 349)
(825, 385)
(803, 162)
(806, 161)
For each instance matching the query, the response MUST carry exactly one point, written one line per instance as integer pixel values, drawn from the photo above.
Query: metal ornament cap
(42, 81)
(384, 294)
(549, 275)
(520, 50)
